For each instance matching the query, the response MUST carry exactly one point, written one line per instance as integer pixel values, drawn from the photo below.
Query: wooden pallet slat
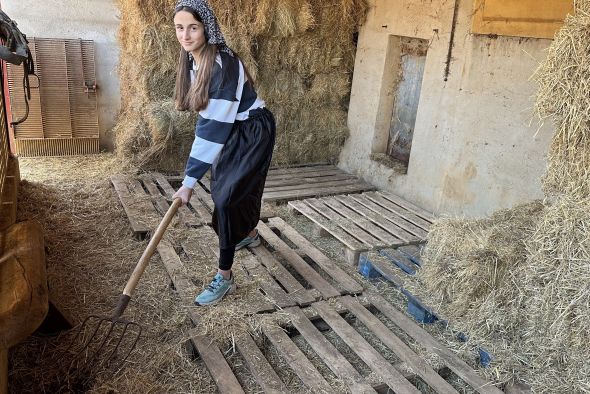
(402, 218)
(295, 290)
(220, 371)
(316, 191)
(421, 336)
(347, 225)
(349, 285)
(327, 352)
(429, 217)
(268, 285)
(309, 178)
(405, 354)
(302, 170)
(394, 379)
(297, 360)
(352, 201)
(159, 200)
(348, 240)
(302, 185)
(264, 374)
(371, 228)
(186, 216)
(300, 265)
(138, 208)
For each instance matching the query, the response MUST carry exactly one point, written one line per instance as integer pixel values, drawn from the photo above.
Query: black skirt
(238, 177)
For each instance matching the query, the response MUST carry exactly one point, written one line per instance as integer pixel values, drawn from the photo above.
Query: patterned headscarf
(212, 30)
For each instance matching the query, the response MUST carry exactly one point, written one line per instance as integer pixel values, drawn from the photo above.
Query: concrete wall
(95, 20)
(474, 148)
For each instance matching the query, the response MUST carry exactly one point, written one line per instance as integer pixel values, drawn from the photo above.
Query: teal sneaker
(250, 242)
(216, 290)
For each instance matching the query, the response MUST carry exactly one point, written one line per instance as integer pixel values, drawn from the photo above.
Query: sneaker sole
(252, 244)
(231, 290)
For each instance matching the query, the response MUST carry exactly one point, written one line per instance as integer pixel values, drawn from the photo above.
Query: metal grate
(63, 116)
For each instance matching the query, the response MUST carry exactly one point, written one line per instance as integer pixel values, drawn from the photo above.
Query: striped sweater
(231, 97)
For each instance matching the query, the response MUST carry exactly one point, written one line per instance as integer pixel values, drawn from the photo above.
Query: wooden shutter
(4, 150)
(520, 18)
(63, 115)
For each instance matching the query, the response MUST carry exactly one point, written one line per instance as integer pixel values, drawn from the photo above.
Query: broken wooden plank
(364, 350)
(405, 354)
(327, 352)
(308, 374)
(300, 265)
(420, 335)
(349, 285)
(258, 365)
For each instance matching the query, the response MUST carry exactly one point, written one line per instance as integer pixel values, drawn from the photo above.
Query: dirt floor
(91, 251)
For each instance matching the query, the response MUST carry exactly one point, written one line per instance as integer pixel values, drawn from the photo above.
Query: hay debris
(564, 83)
(90, 253)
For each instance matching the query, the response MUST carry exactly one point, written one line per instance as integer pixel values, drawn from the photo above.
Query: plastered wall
(475, 149)
(95, 20)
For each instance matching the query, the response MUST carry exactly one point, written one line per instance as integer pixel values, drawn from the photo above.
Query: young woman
(235, 136)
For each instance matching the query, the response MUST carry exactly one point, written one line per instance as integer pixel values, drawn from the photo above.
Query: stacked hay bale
(300, 53)
(519, 282)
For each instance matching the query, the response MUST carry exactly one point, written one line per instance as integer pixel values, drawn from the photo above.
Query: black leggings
(226, 258)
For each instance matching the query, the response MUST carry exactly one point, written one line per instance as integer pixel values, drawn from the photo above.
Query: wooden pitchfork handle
(145, 258)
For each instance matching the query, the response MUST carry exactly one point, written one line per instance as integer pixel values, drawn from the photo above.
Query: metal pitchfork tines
(111, 334)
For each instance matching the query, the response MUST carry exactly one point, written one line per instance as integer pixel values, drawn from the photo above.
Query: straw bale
(564, 82)
(517, 284)
(299, 52)
(157, 137)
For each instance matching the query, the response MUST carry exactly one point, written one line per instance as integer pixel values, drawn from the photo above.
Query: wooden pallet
(146, 199)
(388, 374)
(286, 278)
(284, 184)
(313, 181)
(372, 220)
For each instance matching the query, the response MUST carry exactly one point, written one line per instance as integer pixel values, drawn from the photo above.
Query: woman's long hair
(188, 95)
(194, 96)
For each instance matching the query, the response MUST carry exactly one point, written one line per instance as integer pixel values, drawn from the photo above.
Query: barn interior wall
(476, 147)
(95, 20)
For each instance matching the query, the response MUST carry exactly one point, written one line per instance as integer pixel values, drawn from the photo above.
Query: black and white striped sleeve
(215, 123)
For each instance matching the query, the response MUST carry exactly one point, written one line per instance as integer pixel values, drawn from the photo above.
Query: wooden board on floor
(146, 198)
(283, 184)
(386, 370)
(375, 220)
(314, 267)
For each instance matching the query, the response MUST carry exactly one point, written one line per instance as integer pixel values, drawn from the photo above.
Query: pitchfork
(115, 323)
